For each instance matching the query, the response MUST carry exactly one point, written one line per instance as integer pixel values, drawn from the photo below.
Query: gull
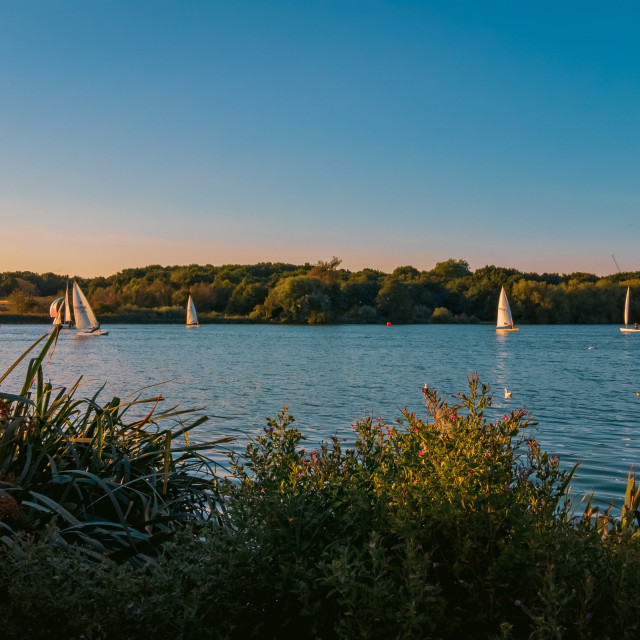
(507, 394)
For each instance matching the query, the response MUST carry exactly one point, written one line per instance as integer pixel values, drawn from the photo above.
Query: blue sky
(385, 133)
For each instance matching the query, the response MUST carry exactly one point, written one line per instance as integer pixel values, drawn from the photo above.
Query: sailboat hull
(507, 330)
(624, 330)
(91, 334)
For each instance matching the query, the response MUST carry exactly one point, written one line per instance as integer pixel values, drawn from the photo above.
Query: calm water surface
(583, 398)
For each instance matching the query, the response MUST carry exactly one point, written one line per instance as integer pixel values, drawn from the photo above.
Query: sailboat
(192, 316)
(56, 311)
(86, 322)
(505, 321)
(626, 328)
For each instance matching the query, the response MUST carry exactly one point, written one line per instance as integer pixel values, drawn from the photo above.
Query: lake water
(583, 398)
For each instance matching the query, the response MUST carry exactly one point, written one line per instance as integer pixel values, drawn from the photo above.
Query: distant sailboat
(86, 322)
(626, 328)
(505, 321)
(192, 316)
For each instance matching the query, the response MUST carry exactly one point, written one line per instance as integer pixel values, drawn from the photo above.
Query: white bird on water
(507, 394)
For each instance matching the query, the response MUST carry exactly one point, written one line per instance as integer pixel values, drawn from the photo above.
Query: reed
(115, 485)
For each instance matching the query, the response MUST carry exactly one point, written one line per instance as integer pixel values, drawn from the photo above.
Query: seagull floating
(507, 394)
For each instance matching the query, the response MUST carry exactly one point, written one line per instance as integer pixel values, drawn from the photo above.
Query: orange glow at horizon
(42, 249)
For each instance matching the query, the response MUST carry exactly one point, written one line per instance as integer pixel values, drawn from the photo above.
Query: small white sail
(55, 311)
(626, 307)
(192, 316)
(67, 307)
(85, 319)
(505, 321)
(627, 310)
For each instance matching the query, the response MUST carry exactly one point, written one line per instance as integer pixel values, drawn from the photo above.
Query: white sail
(67, 307)
(55, 310)
(192, 316)
(626, 307)
(505, 321)
(85, 319)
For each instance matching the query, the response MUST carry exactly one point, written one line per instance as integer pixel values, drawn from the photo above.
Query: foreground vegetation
(452, 526)
(325, 293)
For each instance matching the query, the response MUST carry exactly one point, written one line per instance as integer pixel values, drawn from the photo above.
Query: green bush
(441, 315)
(447, 528)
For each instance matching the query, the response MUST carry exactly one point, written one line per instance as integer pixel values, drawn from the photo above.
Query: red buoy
(388, 324)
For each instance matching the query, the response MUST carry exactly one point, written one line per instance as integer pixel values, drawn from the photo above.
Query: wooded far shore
(324, 293)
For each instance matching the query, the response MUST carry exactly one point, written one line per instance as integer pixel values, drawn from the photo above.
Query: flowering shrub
(424, 528)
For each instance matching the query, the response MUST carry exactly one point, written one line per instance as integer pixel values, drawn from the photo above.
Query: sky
(136, 132)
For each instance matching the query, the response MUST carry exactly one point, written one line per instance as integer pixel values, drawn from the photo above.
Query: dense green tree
(451, 269)
(246, 296)
(297, 299)
(394, 300)
(326, 271)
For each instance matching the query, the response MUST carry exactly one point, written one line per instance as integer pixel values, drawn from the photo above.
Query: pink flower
(262, 490)
(420, 547)
(420, 452)
(505, 417)
(517, 603)
(435, 565)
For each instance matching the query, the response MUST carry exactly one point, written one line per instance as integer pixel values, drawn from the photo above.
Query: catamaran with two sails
(627, 328)
(505, 321)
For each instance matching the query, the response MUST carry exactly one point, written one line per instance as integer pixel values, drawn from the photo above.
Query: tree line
(326, 293)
